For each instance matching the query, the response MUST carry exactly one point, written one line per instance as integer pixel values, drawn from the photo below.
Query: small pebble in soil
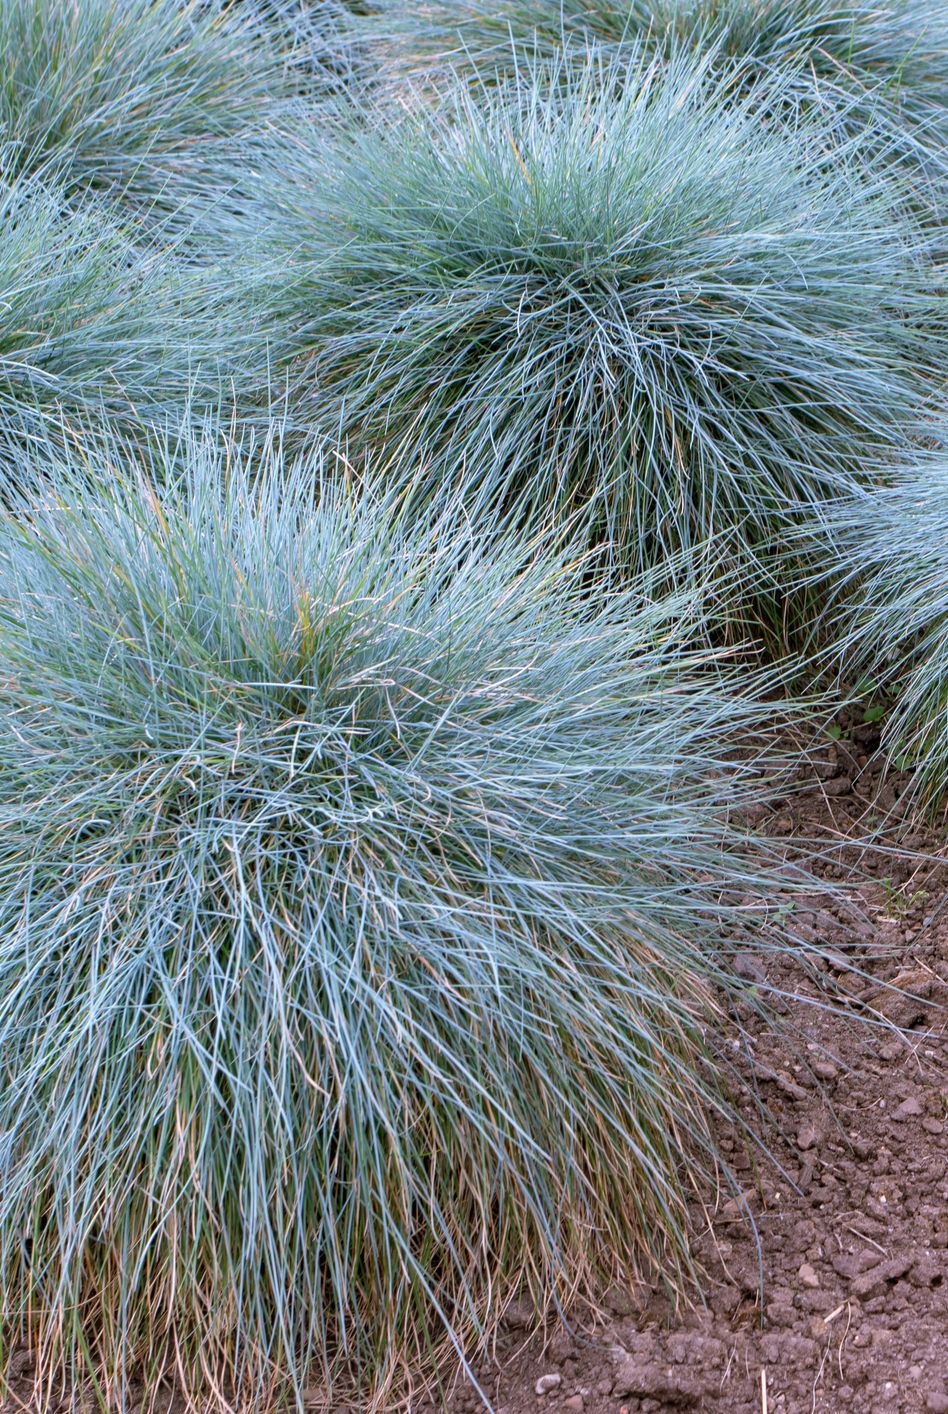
(519, 1314)
(546, 1383)
(909, 1109)
(808, 1276)
(808, 1137)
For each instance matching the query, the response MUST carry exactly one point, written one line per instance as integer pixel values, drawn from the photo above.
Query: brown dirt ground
(836, 1298)
(843, 1305)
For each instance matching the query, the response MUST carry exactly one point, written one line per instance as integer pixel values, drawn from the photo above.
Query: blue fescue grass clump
(644, 307)
(132, 97)
(902, 44)
(881, 61)
(884, 553)
(318, 42)
(366, 904)
(95, 321)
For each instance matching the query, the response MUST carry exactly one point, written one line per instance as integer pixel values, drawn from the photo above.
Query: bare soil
(836, 1298)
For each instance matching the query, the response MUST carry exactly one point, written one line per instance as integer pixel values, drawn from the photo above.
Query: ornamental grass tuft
(882, 62)
(647, 308)
(884, 554)
(133, 98)
(96, 322)
(318, 42)
(367, 906)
